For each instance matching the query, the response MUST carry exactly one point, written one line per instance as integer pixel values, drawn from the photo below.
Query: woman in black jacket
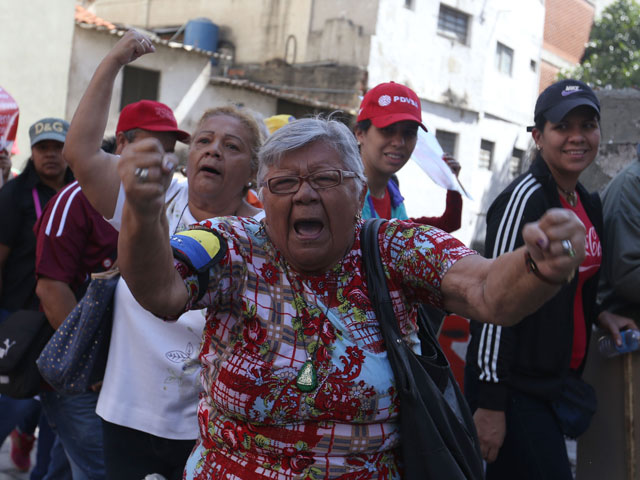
(515, 375)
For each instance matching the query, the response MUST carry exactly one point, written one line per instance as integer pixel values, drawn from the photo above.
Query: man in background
(621, 272)
(74, 241)
(22, 201)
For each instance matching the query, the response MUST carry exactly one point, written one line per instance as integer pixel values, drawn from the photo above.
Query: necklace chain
(571, 196)
(307, 377)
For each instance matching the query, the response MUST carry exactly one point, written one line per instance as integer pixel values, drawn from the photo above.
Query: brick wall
(567, 27)
(548, 73)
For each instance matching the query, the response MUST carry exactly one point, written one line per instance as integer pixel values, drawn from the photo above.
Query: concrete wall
(361, 12)
(340, 31)
(462, 91)
(340, 41)
(180, 70)
(184, 81)
(293, 30)
(620, 111)
(36, 37)
(408, 48)
(258, 28)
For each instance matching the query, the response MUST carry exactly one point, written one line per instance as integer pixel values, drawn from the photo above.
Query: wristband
(533, 268)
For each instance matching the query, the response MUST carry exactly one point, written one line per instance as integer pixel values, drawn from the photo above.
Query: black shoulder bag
(23, 335)
(438, 436)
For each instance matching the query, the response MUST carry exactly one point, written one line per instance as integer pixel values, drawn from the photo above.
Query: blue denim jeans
(55, 463)
(18, 412)
(74, 419)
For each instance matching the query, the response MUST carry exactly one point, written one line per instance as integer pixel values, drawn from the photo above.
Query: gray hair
(305, 131)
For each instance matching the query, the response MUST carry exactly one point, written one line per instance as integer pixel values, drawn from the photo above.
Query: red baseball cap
(389, 103)
(151, 116)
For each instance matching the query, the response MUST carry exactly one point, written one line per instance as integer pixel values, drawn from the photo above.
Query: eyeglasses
(318, 180)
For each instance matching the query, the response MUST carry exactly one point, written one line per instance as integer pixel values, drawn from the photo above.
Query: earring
(249, 184)
(538, 147)
(358, 217)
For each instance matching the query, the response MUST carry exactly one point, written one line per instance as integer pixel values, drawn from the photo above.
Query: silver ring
(568, 249)
(142, 174)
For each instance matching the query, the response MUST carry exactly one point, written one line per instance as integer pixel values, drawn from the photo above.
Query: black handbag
(76, 356)
(438, 439)
(575, 407)
(23, 335)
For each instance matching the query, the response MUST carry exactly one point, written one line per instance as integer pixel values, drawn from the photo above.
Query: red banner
(9, 113)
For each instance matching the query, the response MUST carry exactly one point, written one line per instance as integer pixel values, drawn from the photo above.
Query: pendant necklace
(571, 196)
(307, 377)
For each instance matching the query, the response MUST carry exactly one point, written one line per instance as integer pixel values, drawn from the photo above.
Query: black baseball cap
(560, 98)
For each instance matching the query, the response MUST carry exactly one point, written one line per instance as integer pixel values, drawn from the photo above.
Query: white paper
(428, 155)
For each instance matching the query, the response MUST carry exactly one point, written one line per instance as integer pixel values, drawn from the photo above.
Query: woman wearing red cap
(517, 378)
(387, 131)
(149, 397)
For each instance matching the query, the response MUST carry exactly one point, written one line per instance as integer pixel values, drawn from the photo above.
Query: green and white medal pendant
(307, 379)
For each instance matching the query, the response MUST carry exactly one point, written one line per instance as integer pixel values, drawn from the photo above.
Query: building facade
(477, 67)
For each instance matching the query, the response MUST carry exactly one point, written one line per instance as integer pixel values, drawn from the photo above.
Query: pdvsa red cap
(389, 103)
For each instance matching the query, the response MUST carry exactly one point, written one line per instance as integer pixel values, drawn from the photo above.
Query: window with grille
(515, 164)
(486, 154)
(453, 23)
(504, 59)
(447, 141)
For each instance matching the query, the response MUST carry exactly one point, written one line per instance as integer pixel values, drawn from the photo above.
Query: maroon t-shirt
(72, 239)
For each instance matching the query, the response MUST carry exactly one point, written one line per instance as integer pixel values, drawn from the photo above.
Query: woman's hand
(146, 170)
(453, 164)
(556, 244)
(131, 46)
(614, 323)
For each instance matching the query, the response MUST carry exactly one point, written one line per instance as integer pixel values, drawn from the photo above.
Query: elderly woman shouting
(296, 376)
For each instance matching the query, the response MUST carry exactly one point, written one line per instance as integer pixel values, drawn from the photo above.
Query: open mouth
(210, 170)
(308, 228)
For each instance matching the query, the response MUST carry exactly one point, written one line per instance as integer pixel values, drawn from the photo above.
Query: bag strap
(460, 436)
(437, 366)
(376, 278)
(377, 281)
(36, 202)
(381, 300)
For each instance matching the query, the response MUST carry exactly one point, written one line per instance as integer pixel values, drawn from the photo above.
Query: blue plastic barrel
(202, 33)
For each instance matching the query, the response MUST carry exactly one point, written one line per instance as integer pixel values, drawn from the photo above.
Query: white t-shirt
(151, 382)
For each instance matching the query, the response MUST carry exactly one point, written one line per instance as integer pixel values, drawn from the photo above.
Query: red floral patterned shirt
(265, 320)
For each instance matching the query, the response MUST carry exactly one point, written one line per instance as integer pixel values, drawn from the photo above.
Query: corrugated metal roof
(293, 97)
(86, 19)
